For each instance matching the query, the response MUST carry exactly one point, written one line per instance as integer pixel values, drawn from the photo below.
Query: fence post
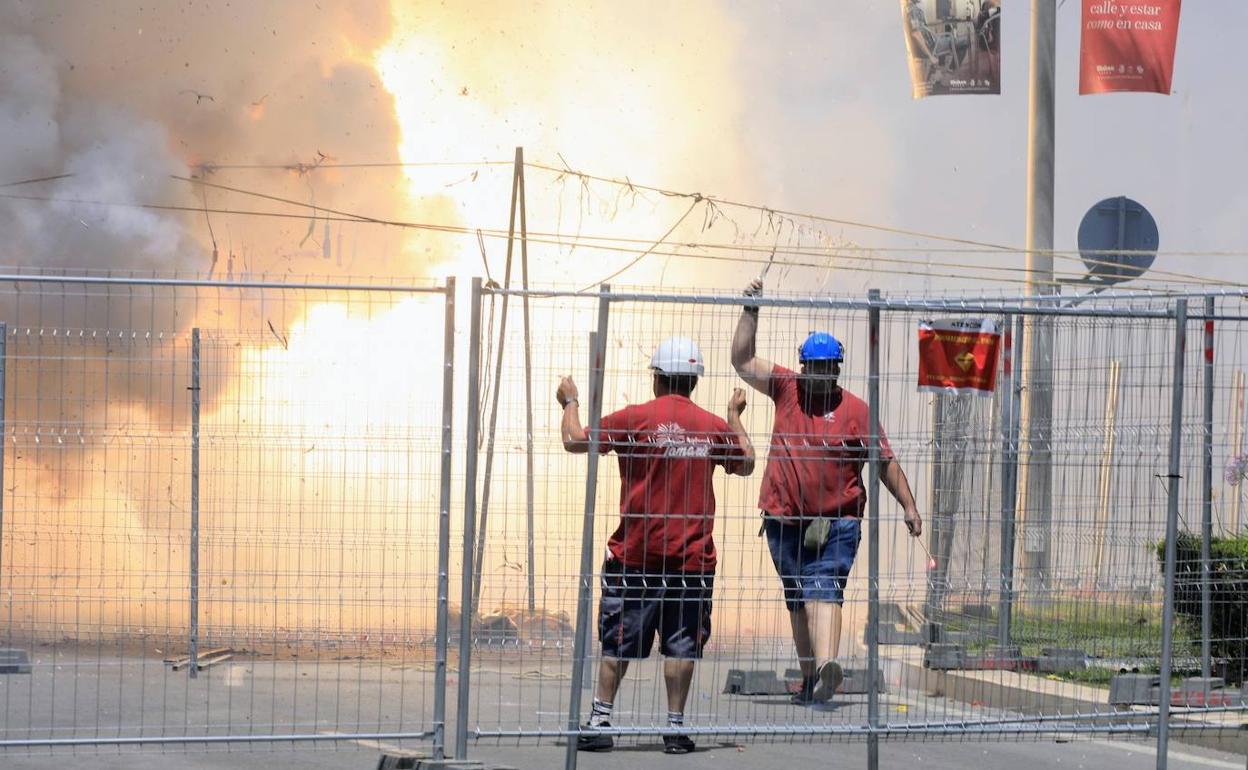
(471, 428)
(193, 665)
(1237, 444)
(1009, 487)
(873, 532)
(444, 526)
(584, 597)
(1206, 503)
(1172, 531)
(4, 357)
(932, 618)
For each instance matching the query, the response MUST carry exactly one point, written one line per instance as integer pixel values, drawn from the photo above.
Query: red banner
(1128, 46)
(959, 356)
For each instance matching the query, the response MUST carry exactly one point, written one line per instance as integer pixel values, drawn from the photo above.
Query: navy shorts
(637, 604)
(812, 575)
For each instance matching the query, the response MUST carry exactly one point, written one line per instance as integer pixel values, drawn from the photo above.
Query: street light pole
(1037, 407)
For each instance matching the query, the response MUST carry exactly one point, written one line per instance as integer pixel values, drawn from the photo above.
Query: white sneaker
(830, 678)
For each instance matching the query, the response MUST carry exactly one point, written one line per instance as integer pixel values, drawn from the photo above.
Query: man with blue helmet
(812, 497)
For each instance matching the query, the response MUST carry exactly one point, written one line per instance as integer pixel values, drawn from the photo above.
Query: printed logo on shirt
(678, 443)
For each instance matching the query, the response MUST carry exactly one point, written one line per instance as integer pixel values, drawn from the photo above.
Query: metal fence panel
(1079, 612)
(259, 478)
(221, 514)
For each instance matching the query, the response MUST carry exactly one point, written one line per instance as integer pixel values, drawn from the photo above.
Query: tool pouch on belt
(817, 533)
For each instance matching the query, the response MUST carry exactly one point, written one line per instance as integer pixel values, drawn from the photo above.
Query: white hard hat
(677, 355)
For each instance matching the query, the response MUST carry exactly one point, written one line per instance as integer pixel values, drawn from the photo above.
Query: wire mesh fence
(1085, 598)
(229, 514)
(222, 511)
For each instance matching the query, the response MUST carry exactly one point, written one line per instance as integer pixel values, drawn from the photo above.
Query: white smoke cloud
(105, 154)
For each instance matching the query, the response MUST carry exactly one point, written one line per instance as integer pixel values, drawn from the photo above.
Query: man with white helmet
(660, 567)
(812, 497)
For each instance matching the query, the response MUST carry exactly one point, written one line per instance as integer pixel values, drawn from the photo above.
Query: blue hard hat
(821, 346)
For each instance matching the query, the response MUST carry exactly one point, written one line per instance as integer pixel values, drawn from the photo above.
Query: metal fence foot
(14, 661)
(408, 760)
(396, 760)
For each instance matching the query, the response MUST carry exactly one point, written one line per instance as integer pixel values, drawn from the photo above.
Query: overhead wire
(301, 167)
(712, 201)
(764, 209)
(320, 212)
(982, 247)
(334, 215)
(453, 230)
(37, 180)
(649, 250)
(696, 197)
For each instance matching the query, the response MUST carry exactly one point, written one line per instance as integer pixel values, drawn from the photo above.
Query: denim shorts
(812, 575)
(637, 605)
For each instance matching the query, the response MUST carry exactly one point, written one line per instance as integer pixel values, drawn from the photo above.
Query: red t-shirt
(668, 449)
(815, 464)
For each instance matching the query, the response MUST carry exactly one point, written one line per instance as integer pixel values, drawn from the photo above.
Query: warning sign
(959, 355)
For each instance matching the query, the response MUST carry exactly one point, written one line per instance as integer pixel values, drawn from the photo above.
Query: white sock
(600, 712)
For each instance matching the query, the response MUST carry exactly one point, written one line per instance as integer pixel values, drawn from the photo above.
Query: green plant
(1102, 627)
(1228, 595)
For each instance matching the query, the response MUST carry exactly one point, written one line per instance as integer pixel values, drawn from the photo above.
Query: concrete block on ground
(399, 760)
(891, 614)
(944, 657)
(754, 682)
(856, 682)
(1056, 660)
(1012, 661)
(981, 611)
(998, 652)
(1134, 689)
(402, 759)
(962, 637)
(1198, 692)
(892, 634)
(14, 661)
(452, 764)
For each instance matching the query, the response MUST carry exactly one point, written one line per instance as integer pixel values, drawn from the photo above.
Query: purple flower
(1236, 469)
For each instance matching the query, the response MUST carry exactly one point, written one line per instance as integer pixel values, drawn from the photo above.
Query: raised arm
(736, 405)
(754, 370)
(575, 439)
(894, 480)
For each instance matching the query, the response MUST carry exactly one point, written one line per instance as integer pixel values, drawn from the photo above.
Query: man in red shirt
(660, 566)
(812, 496)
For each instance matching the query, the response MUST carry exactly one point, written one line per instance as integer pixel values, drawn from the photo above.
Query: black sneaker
(678, 744)
(806, 694)
(597, 742)
(830, 678)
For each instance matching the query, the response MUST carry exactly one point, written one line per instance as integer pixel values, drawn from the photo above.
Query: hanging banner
(959, 355)
(954, 46)
(1127, 46)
